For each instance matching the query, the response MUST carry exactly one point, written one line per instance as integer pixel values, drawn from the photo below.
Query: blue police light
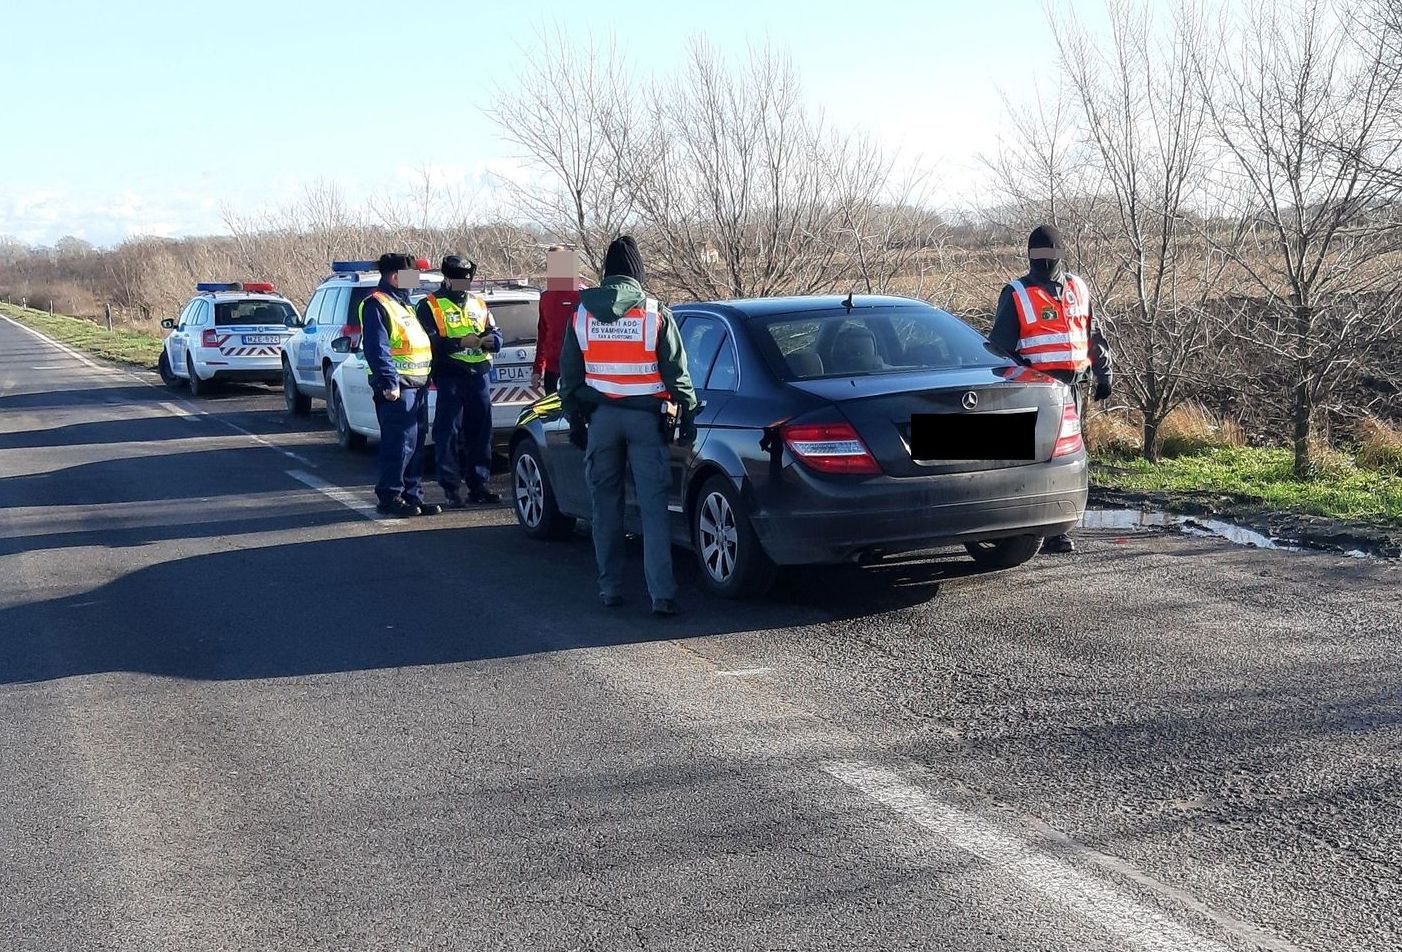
(218, 286)
(350, 267)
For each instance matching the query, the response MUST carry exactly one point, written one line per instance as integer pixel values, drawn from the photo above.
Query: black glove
(686, 435)
(1102, 388)
(579, 431)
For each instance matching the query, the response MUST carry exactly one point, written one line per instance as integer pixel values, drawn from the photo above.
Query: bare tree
(1143, 117)
(571, 109)
(1302, 112)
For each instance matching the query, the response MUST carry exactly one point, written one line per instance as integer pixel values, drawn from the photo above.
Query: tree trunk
(1151, 437)
(1303, 409)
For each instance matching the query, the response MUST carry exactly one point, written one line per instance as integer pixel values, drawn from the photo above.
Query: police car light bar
(350, 267)
(218, 286)
(260, 287)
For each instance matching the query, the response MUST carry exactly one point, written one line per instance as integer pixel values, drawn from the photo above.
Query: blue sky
(152, 117)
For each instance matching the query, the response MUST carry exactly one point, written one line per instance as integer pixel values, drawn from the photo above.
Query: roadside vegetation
(1198, 456)
(138, 348)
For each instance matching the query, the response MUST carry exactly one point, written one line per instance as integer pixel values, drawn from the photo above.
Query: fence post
(107, 313)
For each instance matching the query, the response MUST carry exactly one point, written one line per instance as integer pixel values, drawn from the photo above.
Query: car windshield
(254, 312)
(517, 319)
(871, 341)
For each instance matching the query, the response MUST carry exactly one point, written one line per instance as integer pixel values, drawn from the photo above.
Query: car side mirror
(343, 345)
(168, 323)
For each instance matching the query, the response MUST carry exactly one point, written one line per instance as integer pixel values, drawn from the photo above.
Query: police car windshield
(517, 320)
(876, 341)
(254, 312)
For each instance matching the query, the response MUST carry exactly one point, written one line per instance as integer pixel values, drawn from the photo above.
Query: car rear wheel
(1004, 553)
(533, 498)
(298, 403)
(198, 387)
(168, 376)
(733, 563)
(345, 436)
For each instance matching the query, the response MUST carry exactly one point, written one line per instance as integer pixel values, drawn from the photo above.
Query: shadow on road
(426, 597)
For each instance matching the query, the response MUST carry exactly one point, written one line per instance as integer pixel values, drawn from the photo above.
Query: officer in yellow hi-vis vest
(464, 338)
(399, 358)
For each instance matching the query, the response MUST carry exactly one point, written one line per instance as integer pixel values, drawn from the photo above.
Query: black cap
(1045, 243)
(624, 260)
(455, 266)
(391, 262)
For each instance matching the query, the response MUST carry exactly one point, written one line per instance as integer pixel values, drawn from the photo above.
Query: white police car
(515, 306)
(227, 332)
(308, 359)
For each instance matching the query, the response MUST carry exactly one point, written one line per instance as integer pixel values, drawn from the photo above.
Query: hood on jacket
(612, 299)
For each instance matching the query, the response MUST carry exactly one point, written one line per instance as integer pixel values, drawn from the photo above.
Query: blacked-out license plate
(970, 436)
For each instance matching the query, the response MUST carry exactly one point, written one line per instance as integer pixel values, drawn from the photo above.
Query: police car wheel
(168, 376)
(532, 497)
(1004, 553)
(198, 387)
(733, 563)
(345, 436)
(298, 403)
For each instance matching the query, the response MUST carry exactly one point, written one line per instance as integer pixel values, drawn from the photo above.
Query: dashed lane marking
(343, 496)
(743, 672)
(1140, 927)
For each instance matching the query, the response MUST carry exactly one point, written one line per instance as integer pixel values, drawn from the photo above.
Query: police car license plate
(521, 373)
(262, 339)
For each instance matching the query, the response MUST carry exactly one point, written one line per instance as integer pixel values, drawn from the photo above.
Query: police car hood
(616, 297)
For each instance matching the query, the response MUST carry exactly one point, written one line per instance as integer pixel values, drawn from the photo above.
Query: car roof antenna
(848, 303)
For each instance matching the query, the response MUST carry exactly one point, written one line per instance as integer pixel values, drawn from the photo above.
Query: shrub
(1379, 445)
(1113, 434)
(1190, 430)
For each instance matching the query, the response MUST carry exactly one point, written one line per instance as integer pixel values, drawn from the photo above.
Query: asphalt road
(236, 713)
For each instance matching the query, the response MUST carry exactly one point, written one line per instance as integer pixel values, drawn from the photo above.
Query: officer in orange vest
(621, 366)
(1045, 318)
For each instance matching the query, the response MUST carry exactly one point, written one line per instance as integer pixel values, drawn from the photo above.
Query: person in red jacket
(557, 307)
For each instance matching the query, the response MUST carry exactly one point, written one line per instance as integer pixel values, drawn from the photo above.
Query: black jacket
(1007, 330)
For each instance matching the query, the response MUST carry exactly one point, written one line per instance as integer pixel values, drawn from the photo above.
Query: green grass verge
(127, 347)
(1341, 490)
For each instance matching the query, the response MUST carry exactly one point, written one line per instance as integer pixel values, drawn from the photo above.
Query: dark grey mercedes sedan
(838, 430)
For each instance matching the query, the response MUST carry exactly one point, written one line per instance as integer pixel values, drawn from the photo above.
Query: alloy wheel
(530, 493)
(720, 540)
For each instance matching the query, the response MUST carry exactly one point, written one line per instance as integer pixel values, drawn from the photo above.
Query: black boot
(397, 509)
(1058, 544)
(483, 497)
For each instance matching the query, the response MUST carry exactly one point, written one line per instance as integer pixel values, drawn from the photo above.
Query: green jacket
(616, 297)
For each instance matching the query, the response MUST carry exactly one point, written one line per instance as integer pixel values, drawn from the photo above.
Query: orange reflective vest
(409, 346)
(620, 357)
(1054, 334)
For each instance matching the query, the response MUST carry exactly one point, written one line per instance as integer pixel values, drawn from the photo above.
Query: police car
(308, 358)
(515, 306)
(227, 332)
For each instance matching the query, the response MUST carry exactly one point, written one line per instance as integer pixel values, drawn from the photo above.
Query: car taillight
(1068, 441)
(210, 338)
(830, 448)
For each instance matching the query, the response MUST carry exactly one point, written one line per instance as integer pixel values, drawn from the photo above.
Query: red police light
(421, 264)
(262, 287)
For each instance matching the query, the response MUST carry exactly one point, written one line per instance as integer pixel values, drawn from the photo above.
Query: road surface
(239, 713)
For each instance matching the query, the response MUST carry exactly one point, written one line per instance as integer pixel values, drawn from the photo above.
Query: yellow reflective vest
(409, 346)
(455, 321)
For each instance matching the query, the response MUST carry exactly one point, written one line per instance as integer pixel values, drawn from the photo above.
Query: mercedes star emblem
(970, 400)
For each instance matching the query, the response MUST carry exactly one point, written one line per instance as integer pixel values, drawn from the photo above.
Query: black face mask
(1047, 270)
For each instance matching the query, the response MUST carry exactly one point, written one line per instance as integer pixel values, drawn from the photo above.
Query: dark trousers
(462, 431)
(552, 381)
(403, 425)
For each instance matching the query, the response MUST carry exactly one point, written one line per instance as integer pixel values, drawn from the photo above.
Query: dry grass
(1379, 445)
(1111, 433)
(1190, 429)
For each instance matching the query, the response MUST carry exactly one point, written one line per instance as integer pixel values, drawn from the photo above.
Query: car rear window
(254, 312)
(870, 341)
(517, 320)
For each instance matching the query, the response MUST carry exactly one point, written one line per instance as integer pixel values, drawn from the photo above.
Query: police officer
(464, 338)
(1046, 319)
(399, 357)
(621, 366)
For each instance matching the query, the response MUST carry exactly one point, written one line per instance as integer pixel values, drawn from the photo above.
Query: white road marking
(51, 367)
(1139, 926)
(343, 496)
(743, 672)
(187, 415)
(49, 340)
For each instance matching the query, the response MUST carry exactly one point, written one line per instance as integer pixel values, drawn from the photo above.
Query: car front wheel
(298, 403)
(1004, 553)
(345, 436)
(534, 500)
(733, 563)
